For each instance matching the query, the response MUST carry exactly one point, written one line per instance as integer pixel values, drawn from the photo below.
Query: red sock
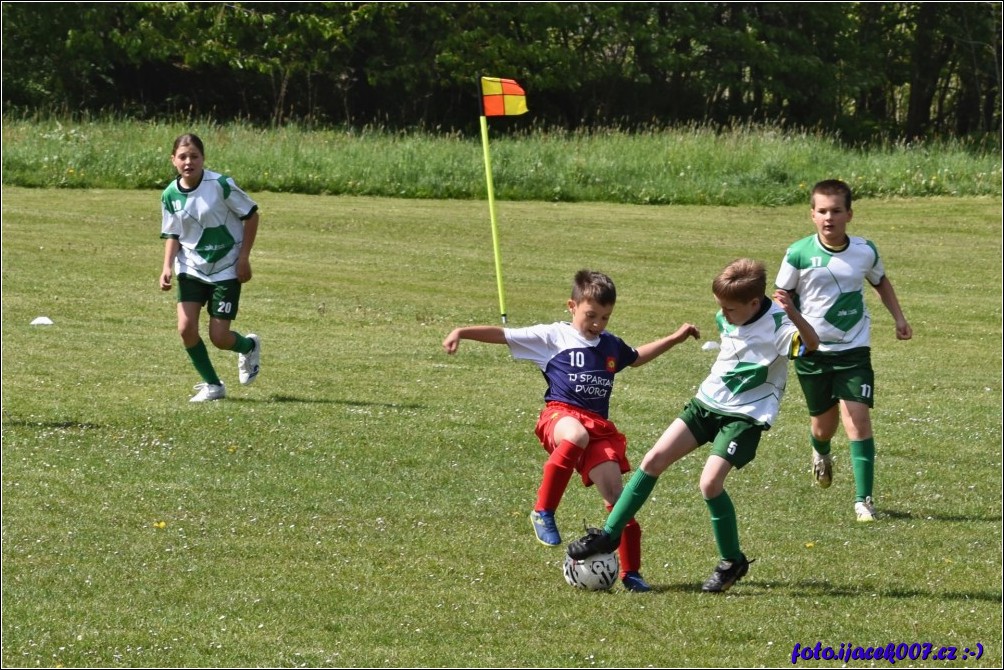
(630, 548)
(558, 471)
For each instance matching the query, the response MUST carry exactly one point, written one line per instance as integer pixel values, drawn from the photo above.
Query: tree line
(863, 70)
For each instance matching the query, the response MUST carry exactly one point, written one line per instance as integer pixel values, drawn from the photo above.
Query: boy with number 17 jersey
(825, 275)
(827, 288)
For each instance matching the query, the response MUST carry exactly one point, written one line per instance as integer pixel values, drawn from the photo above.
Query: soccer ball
(594, 573)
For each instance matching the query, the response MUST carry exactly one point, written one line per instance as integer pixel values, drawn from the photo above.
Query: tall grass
(749, 165)
(365, 503)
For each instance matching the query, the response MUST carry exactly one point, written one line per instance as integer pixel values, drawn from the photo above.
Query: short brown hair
(742, 280)
(832, 187)
(595, 286)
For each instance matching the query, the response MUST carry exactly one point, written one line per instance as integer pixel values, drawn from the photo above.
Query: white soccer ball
(595, 573)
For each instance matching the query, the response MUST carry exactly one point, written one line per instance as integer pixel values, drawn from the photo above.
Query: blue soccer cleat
(633, 581)
(545, 528)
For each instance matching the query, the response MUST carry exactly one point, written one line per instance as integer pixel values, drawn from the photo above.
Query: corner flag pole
(491, 210)
(498, 97)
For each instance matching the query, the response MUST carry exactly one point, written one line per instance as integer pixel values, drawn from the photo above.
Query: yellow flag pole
(491, 210)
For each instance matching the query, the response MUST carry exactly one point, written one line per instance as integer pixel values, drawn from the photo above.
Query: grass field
(365, 502)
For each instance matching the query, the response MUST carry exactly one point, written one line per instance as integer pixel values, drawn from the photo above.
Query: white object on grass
(710, 346)
(595, 573)
(41, 321)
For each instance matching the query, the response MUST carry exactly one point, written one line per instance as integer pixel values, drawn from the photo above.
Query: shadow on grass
(692, 587)
(75, 425)
(808, 587)
(911, 516)
(330, 401)
(754, 587)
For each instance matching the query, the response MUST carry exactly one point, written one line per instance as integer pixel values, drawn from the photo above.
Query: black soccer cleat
(595, 541)
(726, 574)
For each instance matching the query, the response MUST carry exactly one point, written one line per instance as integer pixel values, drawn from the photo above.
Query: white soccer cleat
(209, 392)
(822, 469)
(865, 510)
(248, 364)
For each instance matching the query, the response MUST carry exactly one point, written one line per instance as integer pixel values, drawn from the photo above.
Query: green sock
(723, 524)
(200, 359)
(632, 498)
(822, 447)
(242, 345)
(863, 462)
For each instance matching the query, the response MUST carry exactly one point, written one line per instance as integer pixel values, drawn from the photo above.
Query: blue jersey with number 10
(579, 371)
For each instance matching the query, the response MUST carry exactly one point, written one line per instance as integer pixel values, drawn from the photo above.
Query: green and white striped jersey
(208, 222)
(828, 289)
(749, 376)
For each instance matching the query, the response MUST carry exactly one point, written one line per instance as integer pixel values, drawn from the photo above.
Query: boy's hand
(685, 331)
(783, 299)
(165, 280)
(903, 331)
(452, 341)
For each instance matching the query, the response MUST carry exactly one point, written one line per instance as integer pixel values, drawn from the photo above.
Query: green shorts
(733, 438)
(828, 377)
(223, 297)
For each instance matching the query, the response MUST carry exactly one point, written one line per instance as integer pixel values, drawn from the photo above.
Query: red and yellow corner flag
(502, 97)
(499, 97)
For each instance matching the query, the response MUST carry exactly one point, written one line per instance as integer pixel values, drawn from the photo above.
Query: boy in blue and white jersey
(734, 406)
(579, 361)
(825, 275)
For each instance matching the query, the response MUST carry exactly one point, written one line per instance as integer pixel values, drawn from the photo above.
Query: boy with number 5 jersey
(734, 405)
(209, 226)
(579, 361)
(825, 274)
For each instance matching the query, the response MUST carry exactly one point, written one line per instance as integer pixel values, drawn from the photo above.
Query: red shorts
(606, 443)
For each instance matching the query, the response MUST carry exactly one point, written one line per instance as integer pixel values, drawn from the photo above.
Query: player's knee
(607, 478)
(189, 333)
(824, 426)
(711, 487)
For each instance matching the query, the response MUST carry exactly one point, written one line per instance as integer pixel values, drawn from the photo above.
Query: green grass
(748, 165)
(365, 502)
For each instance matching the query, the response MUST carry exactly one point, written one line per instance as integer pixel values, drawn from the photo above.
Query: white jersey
(208, 221)
(749, 376)
(828, 289)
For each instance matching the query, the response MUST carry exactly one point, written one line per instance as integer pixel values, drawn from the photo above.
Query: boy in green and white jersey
(209, 226)
(825, 274)
(735, 405)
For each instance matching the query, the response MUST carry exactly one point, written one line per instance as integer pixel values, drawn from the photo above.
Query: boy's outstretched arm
(647, 352)
(810, 339)
(486, 334)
